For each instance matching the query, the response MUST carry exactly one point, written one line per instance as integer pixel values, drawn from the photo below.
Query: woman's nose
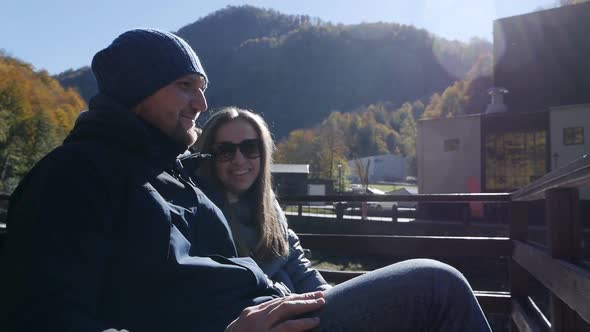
(238, 156)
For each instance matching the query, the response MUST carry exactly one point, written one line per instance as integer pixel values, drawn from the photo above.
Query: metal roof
(289, 168)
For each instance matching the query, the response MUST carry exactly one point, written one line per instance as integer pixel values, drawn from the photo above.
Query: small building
(449, 155)
(498, 152)
(382, 168)
(541, 62)
(320, 187)
(290, 179)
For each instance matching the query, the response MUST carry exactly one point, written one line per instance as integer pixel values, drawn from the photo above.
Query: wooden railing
(560, 266)
(390, 246)
(4, 199)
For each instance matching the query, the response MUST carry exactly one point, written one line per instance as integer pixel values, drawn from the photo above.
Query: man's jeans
(414, 295)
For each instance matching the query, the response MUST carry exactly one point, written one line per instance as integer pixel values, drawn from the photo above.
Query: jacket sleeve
(298, 267)
(56, 247)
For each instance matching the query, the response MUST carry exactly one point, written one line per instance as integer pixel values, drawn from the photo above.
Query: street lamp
(339, 176)
(555, 160)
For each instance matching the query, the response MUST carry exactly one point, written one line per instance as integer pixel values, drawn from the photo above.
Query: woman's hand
(277, 315)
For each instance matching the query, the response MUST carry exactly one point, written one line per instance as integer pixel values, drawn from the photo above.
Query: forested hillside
(36, 114)
(80, 79)
(297, 70)
(382, 128)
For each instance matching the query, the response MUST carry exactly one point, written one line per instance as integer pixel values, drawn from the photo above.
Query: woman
(242, 147)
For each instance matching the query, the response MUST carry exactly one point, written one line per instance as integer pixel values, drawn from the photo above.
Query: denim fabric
(414, 295)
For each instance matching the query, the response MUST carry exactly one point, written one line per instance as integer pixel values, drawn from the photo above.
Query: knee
(440, 274)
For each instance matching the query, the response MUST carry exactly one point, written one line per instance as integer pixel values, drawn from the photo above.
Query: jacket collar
(110, 122)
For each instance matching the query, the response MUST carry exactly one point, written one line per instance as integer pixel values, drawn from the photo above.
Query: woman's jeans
(414, 295)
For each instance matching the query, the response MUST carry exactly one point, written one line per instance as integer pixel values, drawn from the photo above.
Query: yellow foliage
(37, 113)
(373, 130)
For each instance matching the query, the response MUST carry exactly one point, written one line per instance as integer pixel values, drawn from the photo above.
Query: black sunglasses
(226, 151)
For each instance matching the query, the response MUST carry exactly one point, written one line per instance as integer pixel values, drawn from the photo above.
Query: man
(108, 232)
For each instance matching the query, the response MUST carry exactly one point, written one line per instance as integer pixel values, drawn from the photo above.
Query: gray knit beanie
(140, 62)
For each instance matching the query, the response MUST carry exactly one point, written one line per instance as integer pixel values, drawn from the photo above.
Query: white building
(498, 152)
(289, 179)
(449, 155)
(382, 168)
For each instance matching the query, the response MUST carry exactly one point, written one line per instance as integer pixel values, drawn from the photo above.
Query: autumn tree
(372, 130)
(298, 148)
(36, 113)
(362, 171)
(330, 146)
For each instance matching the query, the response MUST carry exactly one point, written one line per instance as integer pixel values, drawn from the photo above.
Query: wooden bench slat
(441, 198)
(526, 317)
(414, 246)
(567, 281)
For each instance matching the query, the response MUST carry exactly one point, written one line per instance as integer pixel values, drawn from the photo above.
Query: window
(452, 144)
(514, 159)
(573, 136)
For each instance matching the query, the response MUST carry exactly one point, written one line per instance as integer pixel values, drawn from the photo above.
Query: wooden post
(519, 216)
(300, 209)
(394, 213)
(564, 239)
(340, 207)
(465, 215)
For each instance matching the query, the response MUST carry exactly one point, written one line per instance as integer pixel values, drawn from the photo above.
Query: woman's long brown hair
(272, 241)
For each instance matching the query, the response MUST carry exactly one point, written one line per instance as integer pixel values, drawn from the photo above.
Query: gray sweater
(292, 271)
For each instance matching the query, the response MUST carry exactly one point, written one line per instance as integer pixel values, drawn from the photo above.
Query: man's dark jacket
(106, 232)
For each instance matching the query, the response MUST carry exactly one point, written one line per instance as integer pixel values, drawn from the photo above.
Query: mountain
(81, 79)
(296, 70)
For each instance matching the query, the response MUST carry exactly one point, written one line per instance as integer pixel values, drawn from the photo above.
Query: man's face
(174, 108)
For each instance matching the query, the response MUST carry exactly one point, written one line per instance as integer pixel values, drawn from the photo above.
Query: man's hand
(276, 315)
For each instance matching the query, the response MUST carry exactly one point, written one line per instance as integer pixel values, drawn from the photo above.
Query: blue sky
(60, 34)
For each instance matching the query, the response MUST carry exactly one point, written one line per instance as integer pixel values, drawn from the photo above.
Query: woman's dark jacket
(106, 232)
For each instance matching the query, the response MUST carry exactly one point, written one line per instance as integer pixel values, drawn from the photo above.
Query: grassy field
(309, 209)
(334, 264)
(388, 187)
(385, 187)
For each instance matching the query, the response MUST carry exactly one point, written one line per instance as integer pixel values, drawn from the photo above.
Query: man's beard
(184, 136)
